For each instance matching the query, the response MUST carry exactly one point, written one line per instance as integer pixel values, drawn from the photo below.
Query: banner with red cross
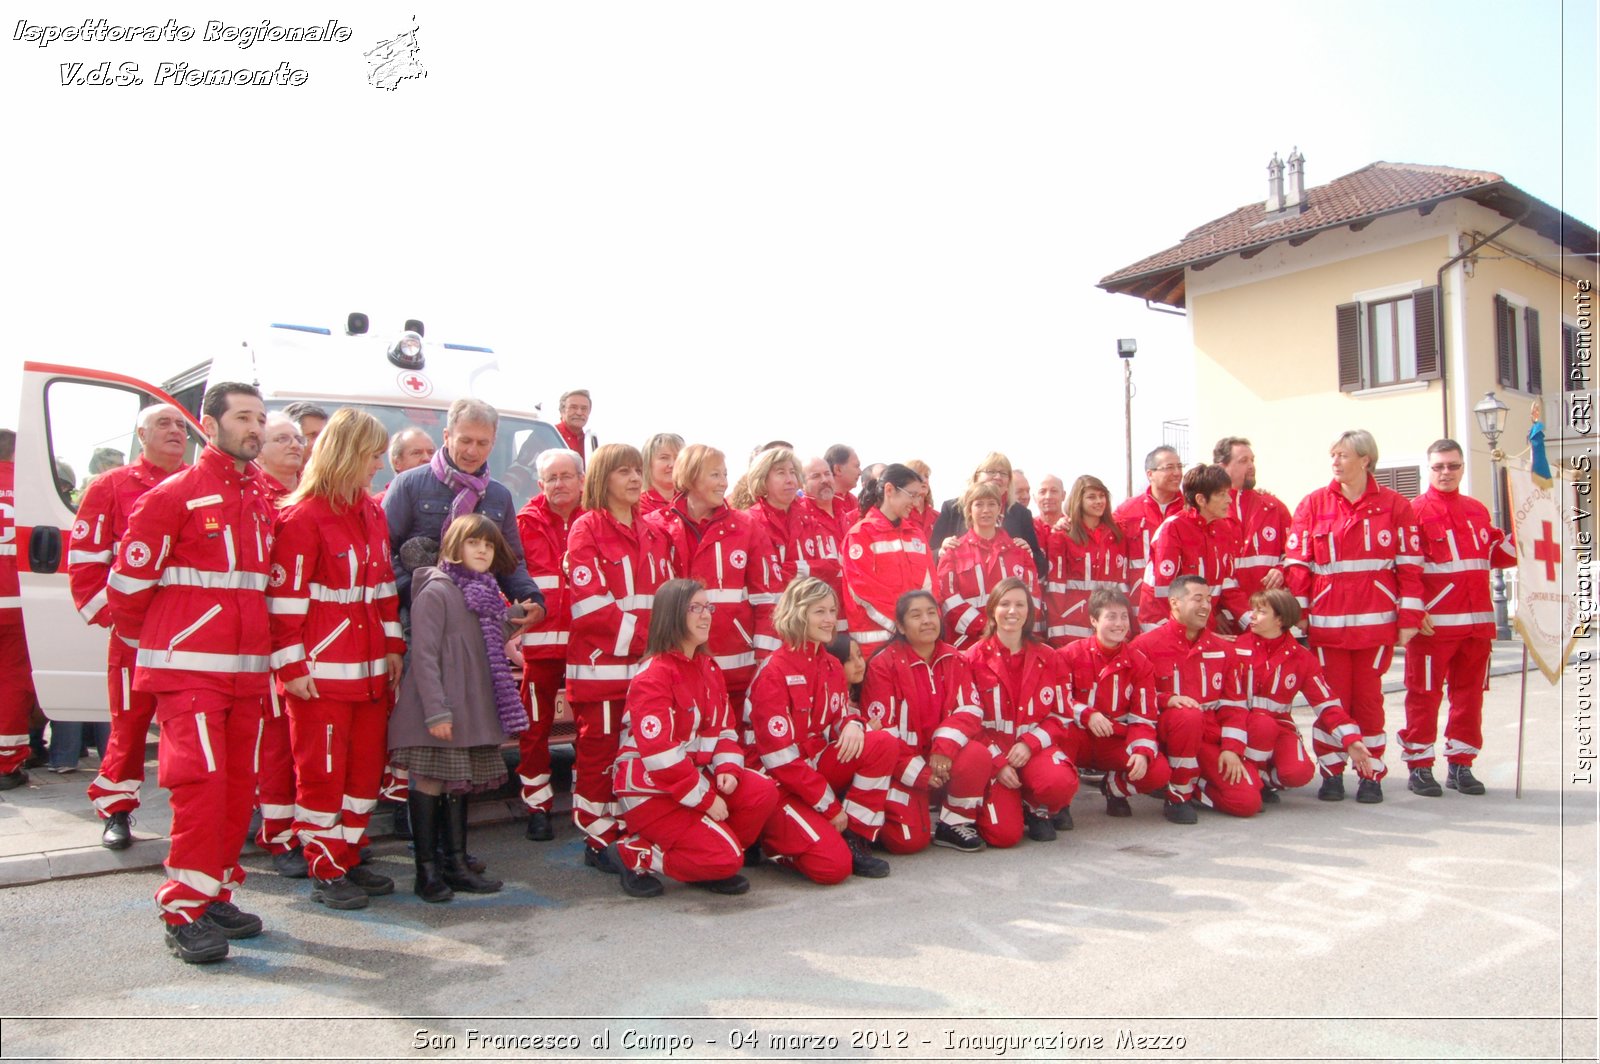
(1547, 612)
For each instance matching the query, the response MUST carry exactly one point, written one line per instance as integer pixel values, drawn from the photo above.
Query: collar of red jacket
(151, 473)
(214, 461)
(1338, 491)
(539, 506)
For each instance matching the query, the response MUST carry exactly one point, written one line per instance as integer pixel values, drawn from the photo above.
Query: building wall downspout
(1444, 384)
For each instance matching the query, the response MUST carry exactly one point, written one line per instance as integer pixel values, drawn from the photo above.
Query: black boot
(457, 872)
(425, 810)
(402, 820)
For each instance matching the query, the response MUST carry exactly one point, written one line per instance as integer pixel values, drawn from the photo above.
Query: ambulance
(77, 422)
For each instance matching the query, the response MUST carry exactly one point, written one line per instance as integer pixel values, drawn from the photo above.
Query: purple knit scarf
(483, 598)
(469, 488)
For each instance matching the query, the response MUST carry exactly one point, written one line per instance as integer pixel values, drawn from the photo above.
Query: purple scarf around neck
(469, 488)
(482, 595)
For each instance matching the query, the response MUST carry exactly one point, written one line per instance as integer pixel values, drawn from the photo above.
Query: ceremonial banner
(1546, 610)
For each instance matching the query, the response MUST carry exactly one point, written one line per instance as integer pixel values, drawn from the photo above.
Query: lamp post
(1491, 415)
(1126, 349)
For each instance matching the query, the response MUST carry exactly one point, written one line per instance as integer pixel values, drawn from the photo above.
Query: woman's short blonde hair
(340, 462)
(1361, 442)
(789, 617)
(762, 467)
(606, 460)
(694, 460)
(994, 459)
(981, 490)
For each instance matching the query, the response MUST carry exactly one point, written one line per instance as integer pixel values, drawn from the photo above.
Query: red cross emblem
(414, 383)
(1545, 550)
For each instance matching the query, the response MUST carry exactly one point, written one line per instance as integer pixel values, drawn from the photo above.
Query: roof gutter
(1444, 390)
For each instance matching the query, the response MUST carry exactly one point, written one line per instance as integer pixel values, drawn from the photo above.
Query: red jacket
(806, 543)
(189, 584)
(10, 587)
(968, 572)
(335, 611)
(931, 705)
(613, 571)
(1204, 669)
(1263, 531)
(1139, 517)
(1031, 709)
(651, 500)
(1276, 670)
(677, 731)
(730, 554)
(797, 705)
(102, 519)
(881, 562)
(544, 536)
(1120, 683)
(1356, 567)
(1187, 544)
(577, 441)
(1075, 571)
(1460, 544)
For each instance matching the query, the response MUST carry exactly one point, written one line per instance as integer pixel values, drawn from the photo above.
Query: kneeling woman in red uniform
(885, 554)
(690, 808)
(914, 686)
(336, 647)
(813, 744)
(1019, 680)
(977, 562)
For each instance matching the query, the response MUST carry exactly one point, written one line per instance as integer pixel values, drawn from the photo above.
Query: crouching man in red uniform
(189, 586)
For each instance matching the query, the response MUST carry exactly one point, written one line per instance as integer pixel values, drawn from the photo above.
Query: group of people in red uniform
(812, 679)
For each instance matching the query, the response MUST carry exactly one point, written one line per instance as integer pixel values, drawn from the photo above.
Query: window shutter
(1348, 319)
(1535, 382)
(1384, 477)
(1569, 358)
(1408, 481)
(1425, 314)
(1505, 371)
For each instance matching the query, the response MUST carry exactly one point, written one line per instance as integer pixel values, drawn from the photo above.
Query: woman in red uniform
(660, 455)
(1091, 555)
(615, 562)
(806, 543)
(885, 555)
(336, 648)
(817, 748)
(689, 806)
(1020, 685)
(982, 557)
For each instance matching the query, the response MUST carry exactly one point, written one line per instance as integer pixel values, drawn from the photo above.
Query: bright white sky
(878, 223)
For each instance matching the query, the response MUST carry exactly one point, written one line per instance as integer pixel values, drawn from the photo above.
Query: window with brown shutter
(1535, 374)
(1389, 341)
(1407, 480)
(1347, 317)
(1505, 363)
(1427, 308)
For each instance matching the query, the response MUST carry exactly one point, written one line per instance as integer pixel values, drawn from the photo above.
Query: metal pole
(1522, 715)
(1502, 624)
(1127, 418)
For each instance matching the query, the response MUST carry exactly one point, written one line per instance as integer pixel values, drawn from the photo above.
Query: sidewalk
(48, 829)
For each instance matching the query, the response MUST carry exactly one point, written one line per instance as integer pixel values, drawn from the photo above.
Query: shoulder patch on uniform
(1269, 533)
(855, 552)
(80, 530)
(650, 727)
(136, 554)
(277, 576)
(795, 681)
(1169, 567)
(1384, 538)
(778, 726)
(1294, 540)
(1289, 681)
(738, 559)
(581, 576)
(875, 711)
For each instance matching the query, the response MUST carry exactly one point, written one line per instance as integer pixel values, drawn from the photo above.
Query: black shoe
(232, 921)
(374, 883)
(753, 857)
(474, 862)
(1039, 828)
(1460, 778)
(1269, 796)
(1421, 781)
(640, 884)
(458, 870)
(600, 859)
(1117, 806)
(539, 827)
(118, 832)
(366, 855)
(401, 822)
(960, 837)
(201, 942)
(291, 864)
(430, 885)
(338, 893)
(1062, 821)
(1332, 789)
(1180, 812)
(13, 780)
(734, 884)
(1369, 792)
(863, 862)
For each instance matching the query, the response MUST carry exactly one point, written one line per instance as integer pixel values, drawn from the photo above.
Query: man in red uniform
(844, 465)
(544, 523)
(1140, 516)
(16, 694)
(102, 519)
(1051, 497)
(189, 585)
(283, 455)
(823, 499)
(573, 410)
(1459, 546)
(1262, 518)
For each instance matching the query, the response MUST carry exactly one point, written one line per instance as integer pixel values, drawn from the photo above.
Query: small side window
(92, 431)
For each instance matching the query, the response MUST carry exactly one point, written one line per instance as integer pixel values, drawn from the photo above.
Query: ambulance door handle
(44, 549)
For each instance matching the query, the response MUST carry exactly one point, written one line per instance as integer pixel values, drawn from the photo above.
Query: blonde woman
(1017, 521)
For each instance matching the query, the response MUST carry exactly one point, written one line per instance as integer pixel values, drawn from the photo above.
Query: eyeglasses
(1447, 467)
(994, 472)
(702, 607)
(287, 439)
(1170, 467)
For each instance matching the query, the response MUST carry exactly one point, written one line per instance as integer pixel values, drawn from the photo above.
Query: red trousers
(16, 698)
(116, 788)
(594, 806)
(1275, 751)
(862, 783)
(207, 761)
(275, 780)
(1430, 664)
(339, 752)
(970, 773)
(907, 818)
(1110, 755)
(796, 835)
(1048, 784)
(1356, 679)
(667, 837)
(541, 680)
(1178, 733)
(395, 784)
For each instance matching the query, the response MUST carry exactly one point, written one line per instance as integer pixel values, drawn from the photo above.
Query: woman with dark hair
(1016, 520)
(1201, 540)
(1088, 556)
(689, 806)
(660, 455)
(884, 555)
(805, 541)
(1021, 686)
(979, 560)
(920, 690)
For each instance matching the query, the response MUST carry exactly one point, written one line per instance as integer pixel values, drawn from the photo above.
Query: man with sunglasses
(1460, 544)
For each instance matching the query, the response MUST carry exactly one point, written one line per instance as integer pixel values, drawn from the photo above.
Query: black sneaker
(374, 883)
(338, 893)
(634, 884)
(1332, 789)
(1062, 821)
(1369, 792)
(1269, 796)
(734, 884)
(1114, 806)
(1039, 828)
(201, 942)
(232, 921)
(961, 837)
(13, 780)
(1421, 781)
(601, 859)
(118, 832)
(539, 827)
(1460, 778)
(291, 864)
(863, 862)
(1180, 812)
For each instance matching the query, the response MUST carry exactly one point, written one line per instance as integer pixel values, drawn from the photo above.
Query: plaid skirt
(462, 768)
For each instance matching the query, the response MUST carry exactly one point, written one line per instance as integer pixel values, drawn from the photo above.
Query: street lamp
(1126, 349)
(1491, 415)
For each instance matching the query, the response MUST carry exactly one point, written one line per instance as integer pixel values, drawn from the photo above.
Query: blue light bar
(469, 347)
(319, 330)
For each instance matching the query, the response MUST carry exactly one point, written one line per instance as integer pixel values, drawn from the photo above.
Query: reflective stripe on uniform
(192, 661)
(184, 576)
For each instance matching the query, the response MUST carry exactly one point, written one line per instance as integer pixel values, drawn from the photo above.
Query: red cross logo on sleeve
(1545, 550)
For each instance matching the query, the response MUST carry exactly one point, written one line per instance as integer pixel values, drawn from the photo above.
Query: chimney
(1274, 185)
(1296, 198)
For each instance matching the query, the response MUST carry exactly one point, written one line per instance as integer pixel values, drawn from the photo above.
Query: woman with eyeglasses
(1017, 520)
(977, 562)
(885, 554)
(1089, 555)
